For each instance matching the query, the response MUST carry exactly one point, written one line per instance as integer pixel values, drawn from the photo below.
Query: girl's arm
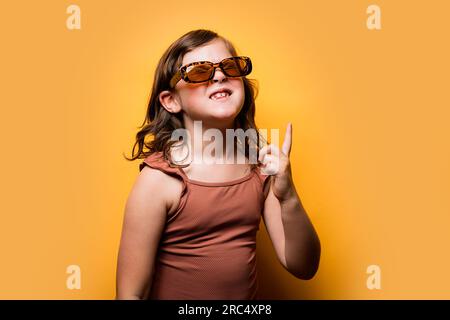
(144, 219)
(293, 236)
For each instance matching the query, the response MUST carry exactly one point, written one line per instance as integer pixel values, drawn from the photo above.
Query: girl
(189, 228)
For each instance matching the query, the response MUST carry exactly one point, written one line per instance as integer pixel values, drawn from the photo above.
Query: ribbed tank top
(208, 246)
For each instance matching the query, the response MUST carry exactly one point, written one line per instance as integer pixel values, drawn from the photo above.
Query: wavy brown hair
(156, 131)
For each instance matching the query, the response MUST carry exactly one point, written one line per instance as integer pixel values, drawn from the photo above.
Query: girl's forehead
(214, 58)
(214, 52)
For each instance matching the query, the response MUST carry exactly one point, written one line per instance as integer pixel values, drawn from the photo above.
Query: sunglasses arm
(176, 77)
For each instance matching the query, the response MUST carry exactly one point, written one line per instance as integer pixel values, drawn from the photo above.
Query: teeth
(219, 95)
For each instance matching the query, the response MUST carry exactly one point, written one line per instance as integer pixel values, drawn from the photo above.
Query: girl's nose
(218, 74)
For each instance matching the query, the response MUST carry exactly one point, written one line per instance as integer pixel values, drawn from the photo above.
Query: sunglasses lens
(232, 67)
(235, 67)
(199, 72)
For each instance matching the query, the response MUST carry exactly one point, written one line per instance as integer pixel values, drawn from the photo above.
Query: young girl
(190, 227)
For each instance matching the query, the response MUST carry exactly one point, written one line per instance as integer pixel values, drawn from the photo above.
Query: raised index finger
(287, 143)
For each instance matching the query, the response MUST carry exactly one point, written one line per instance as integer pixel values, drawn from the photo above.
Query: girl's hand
(277, 164)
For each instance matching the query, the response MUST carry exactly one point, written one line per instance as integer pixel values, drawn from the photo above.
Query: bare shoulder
(156, 186)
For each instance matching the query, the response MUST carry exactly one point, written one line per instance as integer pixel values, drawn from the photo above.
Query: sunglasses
(202, 71)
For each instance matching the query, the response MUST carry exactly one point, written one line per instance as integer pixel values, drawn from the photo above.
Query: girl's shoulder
(264, 179)
(169, 179)
(156, 160)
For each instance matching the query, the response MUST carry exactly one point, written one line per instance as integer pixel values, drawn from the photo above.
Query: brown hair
(159, 123)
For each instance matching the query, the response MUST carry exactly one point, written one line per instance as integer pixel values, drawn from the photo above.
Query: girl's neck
(202, 134)
(202, 139)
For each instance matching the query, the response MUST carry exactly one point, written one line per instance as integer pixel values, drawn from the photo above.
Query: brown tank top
(208, 246)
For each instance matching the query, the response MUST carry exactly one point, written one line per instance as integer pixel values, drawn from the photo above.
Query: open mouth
(220, 96)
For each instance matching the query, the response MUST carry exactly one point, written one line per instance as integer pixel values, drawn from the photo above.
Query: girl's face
(194, 98)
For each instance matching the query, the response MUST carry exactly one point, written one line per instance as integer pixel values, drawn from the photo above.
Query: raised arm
(293, 235)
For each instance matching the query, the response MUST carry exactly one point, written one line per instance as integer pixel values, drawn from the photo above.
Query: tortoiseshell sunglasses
(202, 71)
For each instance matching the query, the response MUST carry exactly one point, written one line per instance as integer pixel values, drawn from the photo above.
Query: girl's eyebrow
(198, 60)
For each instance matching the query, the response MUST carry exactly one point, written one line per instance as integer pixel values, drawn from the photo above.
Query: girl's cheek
(195, 101)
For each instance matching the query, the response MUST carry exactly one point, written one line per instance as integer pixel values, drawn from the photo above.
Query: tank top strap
(263, 178)
(156, 160)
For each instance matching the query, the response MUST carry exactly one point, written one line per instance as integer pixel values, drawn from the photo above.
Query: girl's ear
(168, 101)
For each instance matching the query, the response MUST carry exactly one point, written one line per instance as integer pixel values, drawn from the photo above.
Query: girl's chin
(221, 109)
(223, 113)
(225, 105)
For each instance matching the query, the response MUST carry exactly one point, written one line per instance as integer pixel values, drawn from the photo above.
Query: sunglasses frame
(181, 72)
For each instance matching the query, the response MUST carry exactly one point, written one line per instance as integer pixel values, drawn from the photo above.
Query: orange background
(370, 158)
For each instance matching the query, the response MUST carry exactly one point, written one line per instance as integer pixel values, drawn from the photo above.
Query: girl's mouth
(223, 96)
